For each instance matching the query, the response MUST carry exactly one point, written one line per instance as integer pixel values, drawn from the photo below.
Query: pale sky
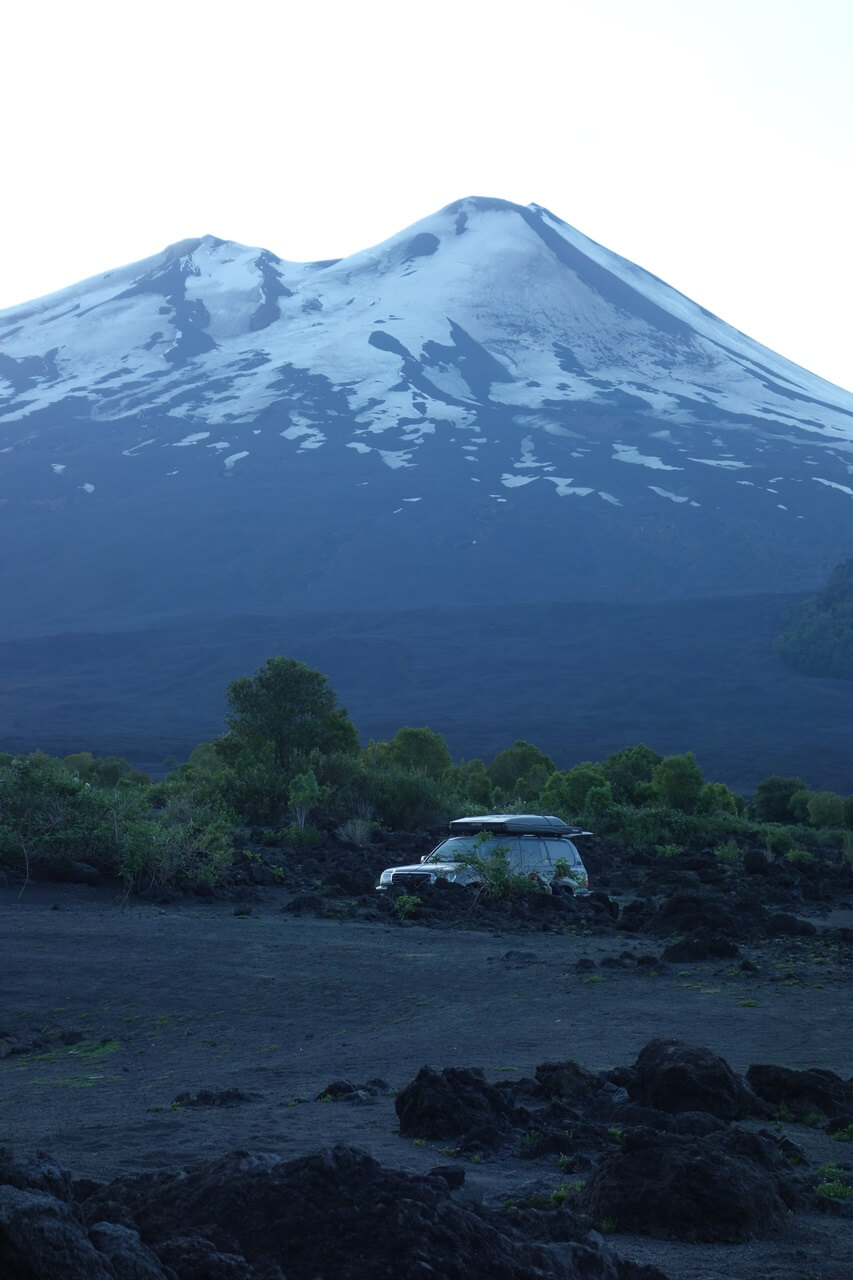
(709, 141)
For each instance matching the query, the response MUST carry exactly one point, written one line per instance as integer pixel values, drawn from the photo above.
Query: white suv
(536, 845)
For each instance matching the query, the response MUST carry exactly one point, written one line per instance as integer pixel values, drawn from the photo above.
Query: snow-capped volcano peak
(538, 301)
(489, 357)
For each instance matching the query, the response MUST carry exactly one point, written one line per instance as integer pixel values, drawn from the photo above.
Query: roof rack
(515, 823)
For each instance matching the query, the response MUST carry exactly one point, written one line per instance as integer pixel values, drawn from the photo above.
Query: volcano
(488, 414)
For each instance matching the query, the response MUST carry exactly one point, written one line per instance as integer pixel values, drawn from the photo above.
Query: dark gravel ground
(112, 1009)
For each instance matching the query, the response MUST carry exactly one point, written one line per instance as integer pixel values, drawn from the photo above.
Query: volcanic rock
(673, 1076)
(685, 1189)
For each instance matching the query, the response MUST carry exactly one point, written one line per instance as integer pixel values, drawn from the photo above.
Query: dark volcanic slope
(579, 680)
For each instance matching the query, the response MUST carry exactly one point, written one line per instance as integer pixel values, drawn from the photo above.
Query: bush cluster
(290, 754)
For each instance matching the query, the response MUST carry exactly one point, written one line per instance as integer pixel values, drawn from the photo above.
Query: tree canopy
(291, 706)
(420, 749)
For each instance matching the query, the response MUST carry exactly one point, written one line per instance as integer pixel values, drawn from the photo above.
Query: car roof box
(513, 823)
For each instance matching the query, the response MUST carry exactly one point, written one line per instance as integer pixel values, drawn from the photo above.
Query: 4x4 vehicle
(536, 845)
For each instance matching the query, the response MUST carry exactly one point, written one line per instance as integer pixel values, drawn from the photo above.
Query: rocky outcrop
(687, 1188)
(809, 1092)
(672, 1076)
(337, 1213)
(453, 1103)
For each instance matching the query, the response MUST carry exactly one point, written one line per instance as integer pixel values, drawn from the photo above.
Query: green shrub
(826, 809)
(630, 772)
(497, 877)
(715, 797)
(407, 905)
(669, 850)
(772, 799)
(728, 853)
(302, 837)
(406, 800)
(521, 761)
(421, 750)
(778, 840)
(678, 781)
(566, 791)
(799, 857)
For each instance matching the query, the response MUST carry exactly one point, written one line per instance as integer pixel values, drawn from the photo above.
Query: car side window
(562, 849)
(527, 853)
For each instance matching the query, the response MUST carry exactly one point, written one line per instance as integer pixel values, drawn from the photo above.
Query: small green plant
(449, 1151)
(531, 1137)
(609, 1225)
(831, 1185)
(727, 853)
(836, 1190)
(406, 905)
(559, 1195)
(799, 857)
(812, 1118)
(785, 1113)
(778, 840)
(419, 1142)
(669, 850)
(843, 1135)
(748, 1004)
(302, 837)
(615, 1133)
(477, 1158)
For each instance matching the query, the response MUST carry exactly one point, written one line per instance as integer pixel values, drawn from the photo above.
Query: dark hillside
(579, 680)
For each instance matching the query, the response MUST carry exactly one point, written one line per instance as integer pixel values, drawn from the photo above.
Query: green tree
(715, 797)
(304, 794)
(826, 809)
(406, 799)
(419, 749)
(798, 807)
(627, 770)
(50, 816)
(252, 783)
(474, 782)
(678, 781)
(772, 799)
(521, 761)
(289, 705)
(599, 801)
(566, 790)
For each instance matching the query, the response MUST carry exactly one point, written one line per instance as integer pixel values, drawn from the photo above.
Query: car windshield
(459, 846)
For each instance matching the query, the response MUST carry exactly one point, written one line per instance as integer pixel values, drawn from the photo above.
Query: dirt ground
(125, 1006)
